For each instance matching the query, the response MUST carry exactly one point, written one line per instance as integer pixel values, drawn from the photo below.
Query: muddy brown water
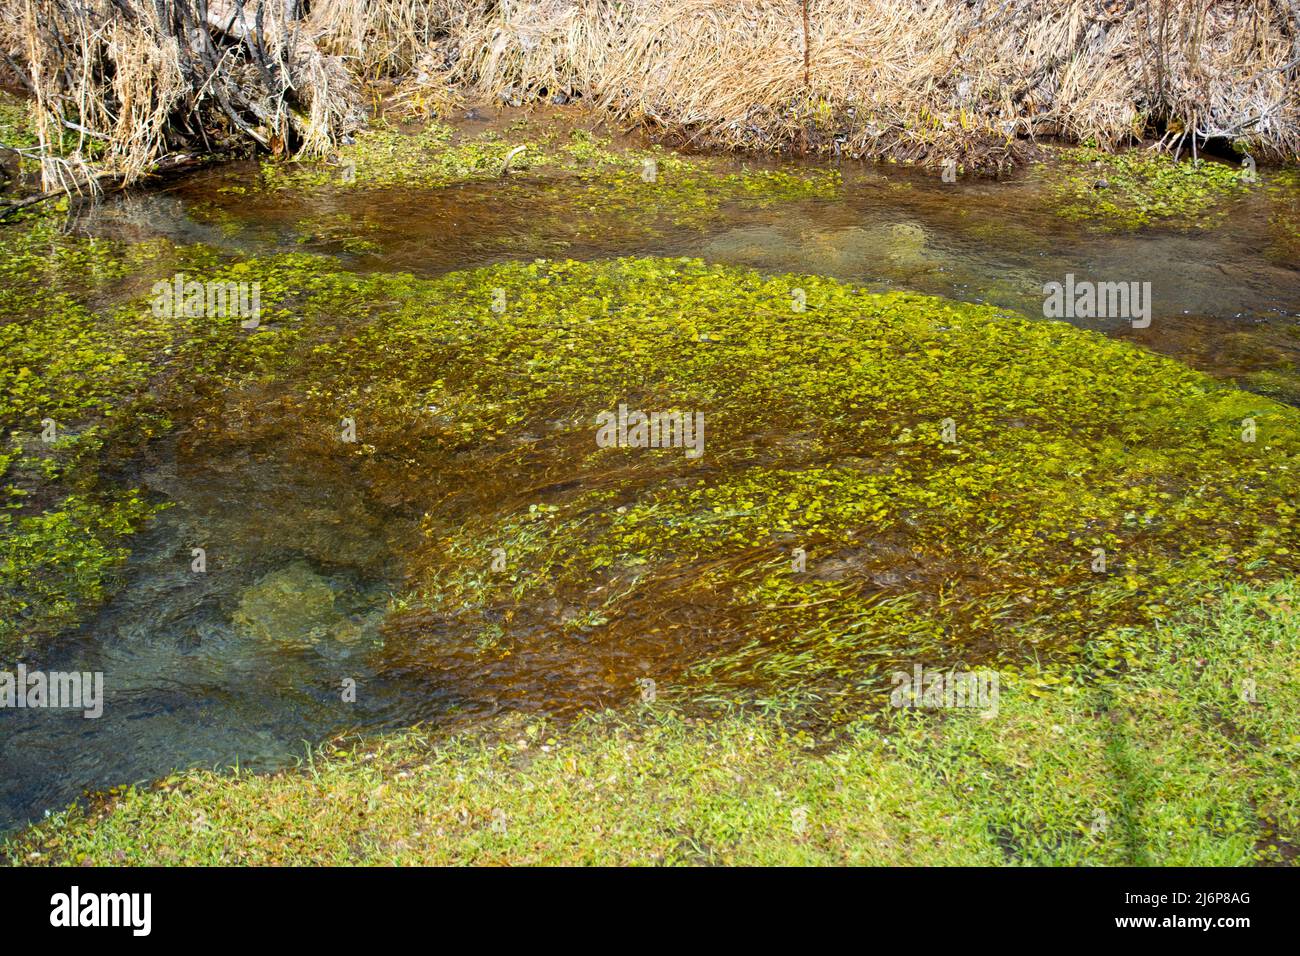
(191, 682)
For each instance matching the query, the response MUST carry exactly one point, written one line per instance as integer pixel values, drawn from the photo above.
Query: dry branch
(139, 79)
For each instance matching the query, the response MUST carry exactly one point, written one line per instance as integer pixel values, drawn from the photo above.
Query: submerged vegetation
(950, 471)
(825, 410)
(1188, 762)
(584, 172)
(1133, 189)
(72, 383)
(1284, 220)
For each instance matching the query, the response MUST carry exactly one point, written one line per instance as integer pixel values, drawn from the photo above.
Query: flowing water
(246, 662)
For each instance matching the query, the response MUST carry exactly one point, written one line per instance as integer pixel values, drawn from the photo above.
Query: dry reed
(120, 85)
(971, 81)
(920, 80)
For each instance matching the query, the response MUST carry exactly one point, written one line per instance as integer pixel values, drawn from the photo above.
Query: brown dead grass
(920, 80)
(971, 81)
(121, 84)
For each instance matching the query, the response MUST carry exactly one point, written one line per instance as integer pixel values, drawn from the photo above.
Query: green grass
(1167, 765)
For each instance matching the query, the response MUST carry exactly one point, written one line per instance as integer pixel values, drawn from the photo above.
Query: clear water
(299, 545)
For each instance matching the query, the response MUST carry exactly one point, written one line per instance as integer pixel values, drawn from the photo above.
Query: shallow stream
(246, 662)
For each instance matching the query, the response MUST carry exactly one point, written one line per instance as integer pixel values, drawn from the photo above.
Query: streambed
(310, 556)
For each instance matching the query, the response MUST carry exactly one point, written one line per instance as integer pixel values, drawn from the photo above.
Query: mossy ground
(1178, 763)
(1134, 189)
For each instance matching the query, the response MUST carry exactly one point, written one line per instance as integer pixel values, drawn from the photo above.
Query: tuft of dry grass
(973, 82)
(922, 80)
(384, 37)
(121, 84)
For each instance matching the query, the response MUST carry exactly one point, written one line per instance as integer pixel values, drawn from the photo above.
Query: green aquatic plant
(584, 173)
(384, 157)
(964, 484)
(78, 356)
(1283, 195)
(60, 562)
(1282, 383)
(18, 142)
(17, 130)
(1132, 189)
(948, 472)
(350, 234)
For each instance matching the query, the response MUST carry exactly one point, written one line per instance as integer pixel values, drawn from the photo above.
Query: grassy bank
(1171, 764)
